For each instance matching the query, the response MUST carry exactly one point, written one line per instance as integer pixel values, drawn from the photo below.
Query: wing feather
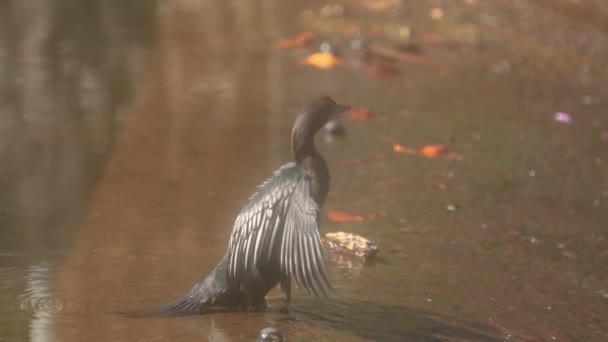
(303, 214)
(281, 222)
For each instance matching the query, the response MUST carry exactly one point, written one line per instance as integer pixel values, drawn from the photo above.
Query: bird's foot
(273, 297)
(278, 303)
(279, 300)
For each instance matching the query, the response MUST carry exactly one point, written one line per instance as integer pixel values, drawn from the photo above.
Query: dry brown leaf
(360, 114)
(341, 217)
(295, 41)
(436, 151)
(429, 151)
(440, 186)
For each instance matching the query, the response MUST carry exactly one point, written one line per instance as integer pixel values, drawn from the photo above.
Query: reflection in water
(36, 294)
(381, 322)
(69, 70)
(66, 71)
(170, 190)
(343, 319)
(216, 334)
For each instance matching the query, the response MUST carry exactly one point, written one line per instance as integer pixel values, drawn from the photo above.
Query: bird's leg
(286, 287)
(260, 305)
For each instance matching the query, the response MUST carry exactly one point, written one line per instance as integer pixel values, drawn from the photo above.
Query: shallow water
(132, 133)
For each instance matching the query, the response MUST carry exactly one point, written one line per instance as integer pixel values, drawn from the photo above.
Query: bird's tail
(187, 305)
(214, 291)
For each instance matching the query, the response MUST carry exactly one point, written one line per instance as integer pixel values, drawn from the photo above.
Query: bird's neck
(302, 138)
(310, 160)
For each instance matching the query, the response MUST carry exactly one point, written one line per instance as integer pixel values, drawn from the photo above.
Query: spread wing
(280, 224)
(301, 248)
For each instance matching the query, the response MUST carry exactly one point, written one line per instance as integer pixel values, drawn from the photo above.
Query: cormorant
(276, 235)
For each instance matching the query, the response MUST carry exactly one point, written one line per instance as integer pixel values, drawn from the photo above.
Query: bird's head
(321, 110)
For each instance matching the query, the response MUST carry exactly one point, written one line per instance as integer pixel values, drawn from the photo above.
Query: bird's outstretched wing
(280, 223)
(301, 249)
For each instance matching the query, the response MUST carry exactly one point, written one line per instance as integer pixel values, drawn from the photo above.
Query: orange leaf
(435, 151)
(338, 216)
(322, 60)
(429, 151)
(436, 13)
(402, 149)
(360, 114)
(295, 41)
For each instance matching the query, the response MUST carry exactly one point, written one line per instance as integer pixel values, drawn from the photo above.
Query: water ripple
(36, 296)
(39, 295)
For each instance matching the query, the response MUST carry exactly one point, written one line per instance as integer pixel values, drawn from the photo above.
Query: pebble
(270, 334)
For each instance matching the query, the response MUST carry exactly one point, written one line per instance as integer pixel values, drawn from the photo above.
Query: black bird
(276, 235)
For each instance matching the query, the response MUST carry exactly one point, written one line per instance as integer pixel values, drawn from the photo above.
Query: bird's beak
(341, 109)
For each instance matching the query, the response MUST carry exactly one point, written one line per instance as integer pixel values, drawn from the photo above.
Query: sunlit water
(131, 133)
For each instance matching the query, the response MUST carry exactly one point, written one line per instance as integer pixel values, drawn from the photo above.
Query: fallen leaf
(379, 5)
(440, 186)
(562, 117)
(322, 60)
(436, 13)
(402, 149)
(295, 41)
(360, 114)
(434, 151)
(429, 151)
(338, 216)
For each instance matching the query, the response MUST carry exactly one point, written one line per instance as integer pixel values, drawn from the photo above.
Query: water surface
(132, 133)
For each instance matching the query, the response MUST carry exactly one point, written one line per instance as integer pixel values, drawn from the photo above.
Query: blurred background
(476, 158)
